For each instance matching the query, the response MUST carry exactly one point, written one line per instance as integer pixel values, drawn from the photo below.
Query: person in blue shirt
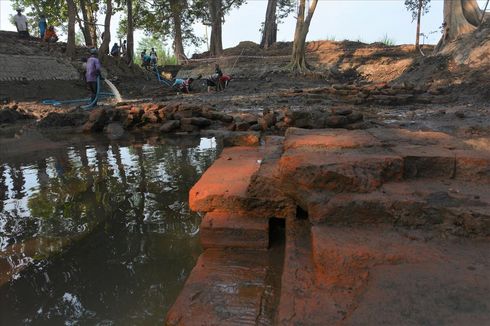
(42, 26)
(183, 85)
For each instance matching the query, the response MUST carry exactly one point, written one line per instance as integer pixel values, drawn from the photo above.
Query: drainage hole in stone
(277, 231)
(301, 214)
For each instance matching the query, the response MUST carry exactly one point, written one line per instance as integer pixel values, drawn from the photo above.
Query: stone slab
(224, 184)
(233, 230)
(226, 287)
(448, 206)
(379, 276)
(349, 171)
(328, 139)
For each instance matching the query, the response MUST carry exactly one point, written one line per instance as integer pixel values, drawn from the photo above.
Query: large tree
(104, 47)
(212, 13)
(460, 17)
(70, 46)
(298, 61)
(417, 8)
(164, 19)
(130, 32)
(88, 21)
(177, 8)
(276, 10)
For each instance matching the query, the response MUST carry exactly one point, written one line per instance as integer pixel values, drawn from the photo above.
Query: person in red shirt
(224, 81)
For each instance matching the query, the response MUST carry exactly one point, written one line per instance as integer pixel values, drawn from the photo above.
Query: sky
(359, 20)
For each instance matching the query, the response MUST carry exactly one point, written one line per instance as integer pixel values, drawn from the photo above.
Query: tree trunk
(460, 17)
(70, 45)
(104, 47)
(89, 21)
(216, 43)
(85, 29)
(178, 44)
(91, 24)
(269, 34)
(419, 14)
(130, 36)
(298, 61)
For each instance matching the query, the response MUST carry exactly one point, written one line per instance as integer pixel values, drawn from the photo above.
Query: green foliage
(200, 9)
(284, 8)
(415, 5)
(56, 11)
(156, 18)
(79, 40)
(386, 40)
(165, 57)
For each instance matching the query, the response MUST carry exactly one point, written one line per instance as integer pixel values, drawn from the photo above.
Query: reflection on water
(98, 234)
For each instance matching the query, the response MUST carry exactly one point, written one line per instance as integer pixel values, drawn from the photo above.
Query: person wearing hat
(21, 24)
(91, 74)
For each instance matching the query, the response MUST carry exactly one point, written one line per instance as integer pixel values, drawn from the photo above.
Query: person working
(115, 50)
(21, 24)
(183, 85)
(224, 81)
(212, 82)
(50, 35)
(217, 70)
(42, 26)
(93, 71)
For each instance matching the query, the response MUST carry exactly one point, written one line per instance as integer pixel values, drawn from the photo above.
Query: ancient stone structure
(382, 227)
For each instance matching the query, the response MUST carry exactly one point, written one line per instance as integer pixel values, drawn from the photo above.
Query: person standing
(21, 24)
(124, 49)
(42, 26)
(153, 56)
(93, 71)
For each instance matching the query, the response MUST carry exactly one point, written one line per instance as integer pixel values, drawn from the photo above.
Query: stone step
(449, 206)
(343, 161)
(226, 287)
(225, 186)
(221, 229)
(378, 276)
(263, 183)
(302, 302)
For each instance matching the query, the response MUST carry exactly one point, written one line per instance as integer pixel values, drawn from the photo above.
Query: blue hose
(92, 104)
(89, 105)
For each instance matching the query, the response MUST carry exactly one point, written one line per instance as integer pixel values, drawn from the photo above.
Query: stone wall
(35, 67)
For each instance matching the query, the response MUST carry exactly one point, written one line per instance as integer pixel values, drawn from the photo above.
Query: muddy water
(98, 233)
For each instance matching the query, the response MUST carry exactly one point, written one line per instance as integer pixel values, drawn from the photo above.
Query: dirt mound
(462, 66)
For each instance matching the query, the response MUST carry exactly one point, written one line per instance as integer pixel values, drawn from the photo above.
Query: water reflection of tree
(3, 186)
(139, 226)
(18, 180)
